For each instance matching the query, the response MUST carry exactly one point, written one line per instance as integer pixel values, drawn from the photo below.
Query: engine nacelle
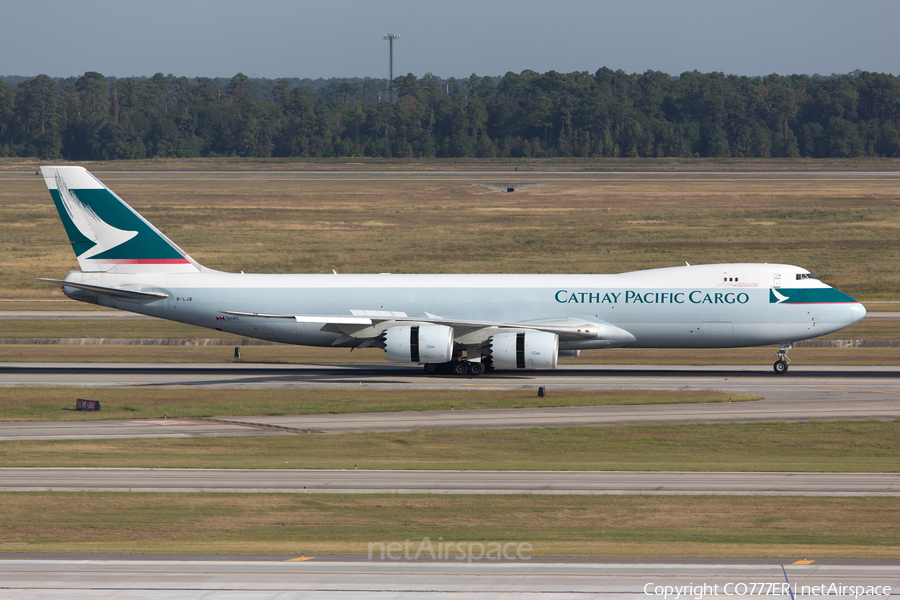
(419, 343)
(528, 350)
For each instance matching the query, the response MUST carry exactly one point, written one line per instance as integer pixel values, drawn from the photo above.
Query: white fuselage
(704, 306)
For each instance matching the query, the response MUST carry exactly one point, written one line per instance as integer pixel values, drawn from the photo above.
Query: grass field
(705, 526)
(843, 231)
(816, 446)
(142, 402)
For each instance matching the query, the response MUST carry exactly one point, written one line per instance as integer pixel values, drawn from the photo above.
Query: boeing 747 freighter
(460, 324)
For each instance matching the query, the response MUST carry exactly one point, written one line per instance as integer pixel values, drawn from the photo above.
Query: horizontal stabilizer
(109, 291)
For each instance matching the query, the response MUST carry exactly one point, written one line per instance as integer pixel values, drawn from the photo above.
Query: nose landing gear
(781, 365)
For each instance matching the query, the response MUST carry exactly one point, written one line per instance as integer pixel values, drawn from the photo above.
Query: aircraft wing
(369, 324)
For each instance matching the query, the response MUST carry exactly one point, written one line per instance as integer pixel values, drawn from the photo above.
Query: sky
(453, 38)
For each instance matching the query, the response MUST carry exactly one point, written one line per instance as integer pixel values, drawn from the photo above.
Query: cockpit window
(805, 276)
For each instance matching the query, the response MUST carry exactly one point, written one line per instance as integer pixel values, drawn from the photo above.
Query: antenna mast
(390, 37)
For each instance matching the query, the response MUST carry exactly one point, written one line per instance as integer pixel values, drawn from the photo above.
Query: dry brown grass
(868, 330)
(832, 446)
(153, 402)
(346, 524)
(844, 231)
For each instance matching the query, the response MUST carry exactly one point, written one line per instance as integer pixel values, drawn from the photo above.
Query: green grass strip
(843, 446)
(153, 402)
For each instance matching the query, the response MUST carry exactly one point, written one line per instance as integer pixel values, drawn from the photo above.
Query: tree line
(605, 114)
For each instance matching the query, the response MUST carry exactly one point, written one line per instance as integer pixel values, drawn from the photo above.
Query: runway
(466, 579)
(447, 482)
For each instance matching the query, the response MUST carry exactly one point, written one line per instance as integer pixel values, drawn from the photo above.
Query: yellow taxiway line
(825, 387)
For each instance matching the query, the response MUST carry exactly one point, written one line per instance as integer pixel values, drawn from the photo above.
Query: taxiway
(446, 482)
(324, 579)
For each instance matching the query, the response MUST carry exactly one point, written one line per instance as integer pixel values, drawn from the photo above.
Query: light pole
(390, 37)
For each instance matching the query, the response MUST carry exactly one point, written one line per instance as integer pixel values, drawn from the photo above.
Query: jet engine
(527, 350)
(419, 343)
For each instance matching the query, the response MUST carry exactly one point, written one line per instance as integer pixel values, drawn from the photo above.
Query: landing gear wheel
(431, 368)
(476, 369)
(459, 368)
(781, 365)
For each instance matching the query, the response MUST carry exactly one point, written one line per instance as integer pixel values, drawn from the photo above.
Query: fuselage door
(776, 280)
(718, 334)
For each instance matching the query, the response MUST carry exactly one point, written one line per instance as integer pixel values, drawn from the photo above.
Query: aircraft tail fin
(107, 234)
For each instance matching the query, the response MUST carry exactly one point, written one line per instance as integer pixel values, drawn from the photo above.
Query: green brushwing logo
(809, 296)
(102, 227)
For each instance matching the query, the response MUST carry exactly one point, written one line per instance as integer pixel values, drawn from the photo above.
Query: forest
(605, 114)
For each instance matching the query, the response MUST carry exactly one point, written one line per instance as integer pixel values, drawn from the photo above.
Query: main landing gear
(460, 368)
(781, 365)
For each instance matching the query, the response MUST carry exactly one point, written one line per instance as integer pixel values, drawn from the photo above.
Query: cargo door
(718, 334)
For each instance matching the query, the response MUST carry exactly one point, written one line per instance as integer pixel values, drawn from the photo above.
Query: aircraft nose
(857, 312)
